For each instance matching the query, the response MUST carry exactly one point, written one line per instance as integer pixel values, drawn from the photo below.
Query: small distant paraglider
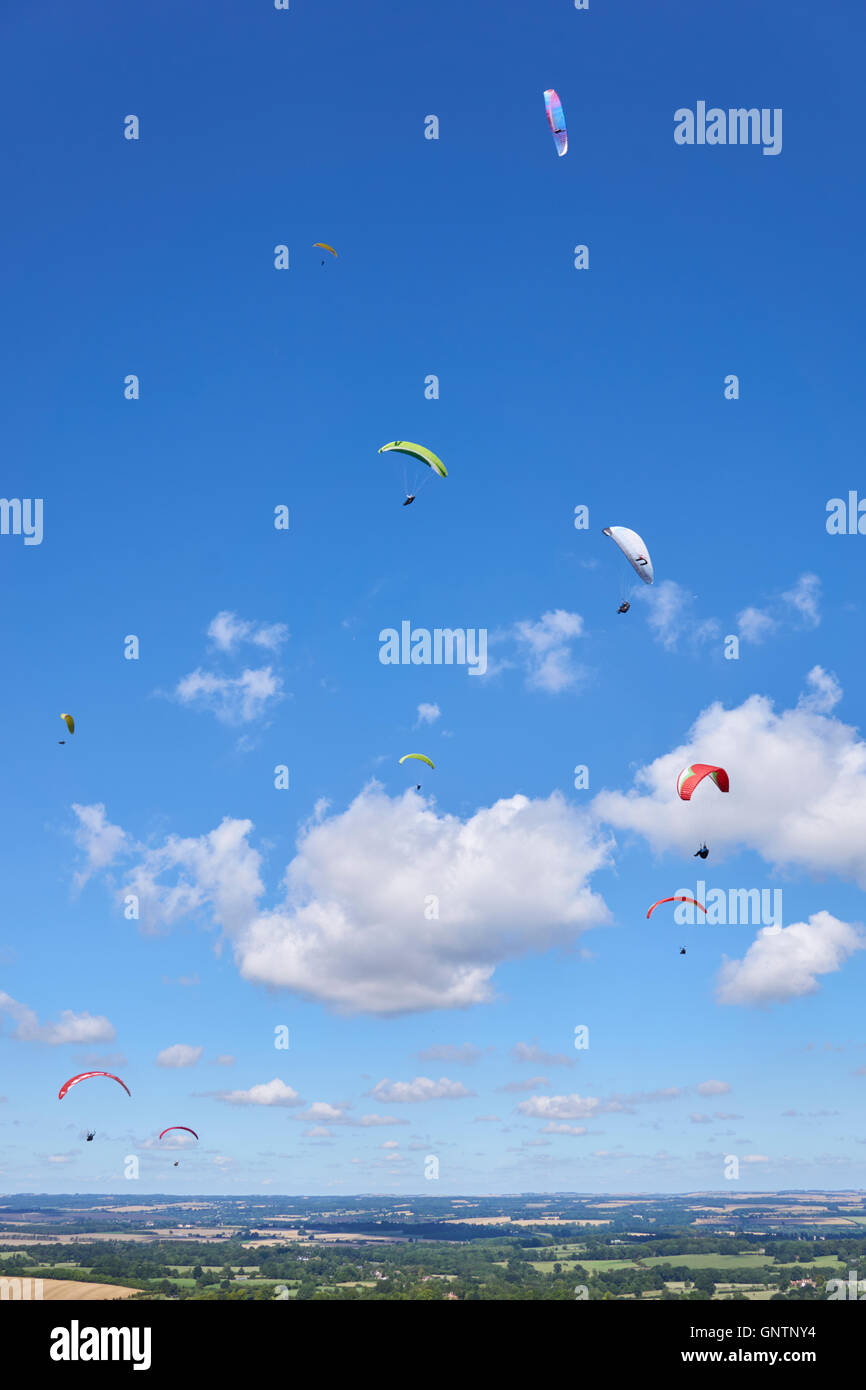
(623, 608)
(323, 246)
(91, 1135)
(70, 724)
(702, 853)
(556, 120)
(170, 1130)
(421, 455)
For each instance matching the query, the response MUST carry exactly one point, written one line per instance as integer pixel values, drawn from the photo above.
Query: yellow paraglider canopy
(69, 722)
(422, 758)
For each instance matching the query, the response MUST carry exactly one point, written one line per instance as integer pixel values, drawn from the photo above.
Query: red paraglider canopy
(678, 899)
(691, 776)
(186, 1127)
(85, 1076)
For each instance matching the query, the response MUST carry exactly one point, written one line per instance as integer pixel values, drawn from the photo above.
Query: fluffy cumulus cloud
(713, 1088)
(422, 1088)
(798, 608)
(798, 786)
(577, 1107)
(325, 1114)
(357, 927)
(72, 1027)
(671, 618)
(571, 1107)
(235, 699)
(427, 714)
(101, 841)
(227, 631)
(274, 1092)
(239, 699)
(546, 649)
(784, 965)
(823, 691)
(179, 1055)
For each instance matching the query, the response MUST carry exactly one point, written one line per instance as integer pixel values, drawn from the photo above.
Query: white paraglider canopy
(634, 550)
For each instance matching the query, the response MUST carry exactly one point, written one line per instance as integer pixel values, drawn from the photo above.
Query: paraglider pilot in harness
(701, 853)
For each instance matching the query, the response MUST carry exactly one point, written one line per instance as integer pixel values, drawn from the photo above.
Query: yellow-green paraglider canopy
(417, 451)
(422, 758)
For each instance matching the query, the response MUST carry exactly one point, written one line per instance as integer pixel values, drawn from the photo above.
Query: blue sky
(558, 387)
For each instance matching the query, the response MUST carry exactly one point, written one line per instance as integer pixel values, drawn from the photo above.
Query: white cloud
(670, 618)
(179, 1055)
(421, 1089)
(531, 1052)
(785, 965)
(72, 1028)
(824, 692)
(233, 699)
(323, 1112)
(427, 714)
(798, 787)
(804, 598)
(511, 879)
(571, 1107)
(101, 841)
(227, 631)
(755, 625)
(274, 1092)
(799, 606)
(545, 647)
(713, 1088)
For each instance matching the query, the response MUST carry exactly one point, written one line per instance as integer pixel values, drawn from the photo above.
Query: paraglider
(556, 120)
(421, 455)
(91, 1135)
(678, 899)
(623, 608)
(701, 853)
(70, 724)
(170, 1130)
(323, 245)
(85, 1076)
(692, 776)
(682, 950)
(634, 549)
